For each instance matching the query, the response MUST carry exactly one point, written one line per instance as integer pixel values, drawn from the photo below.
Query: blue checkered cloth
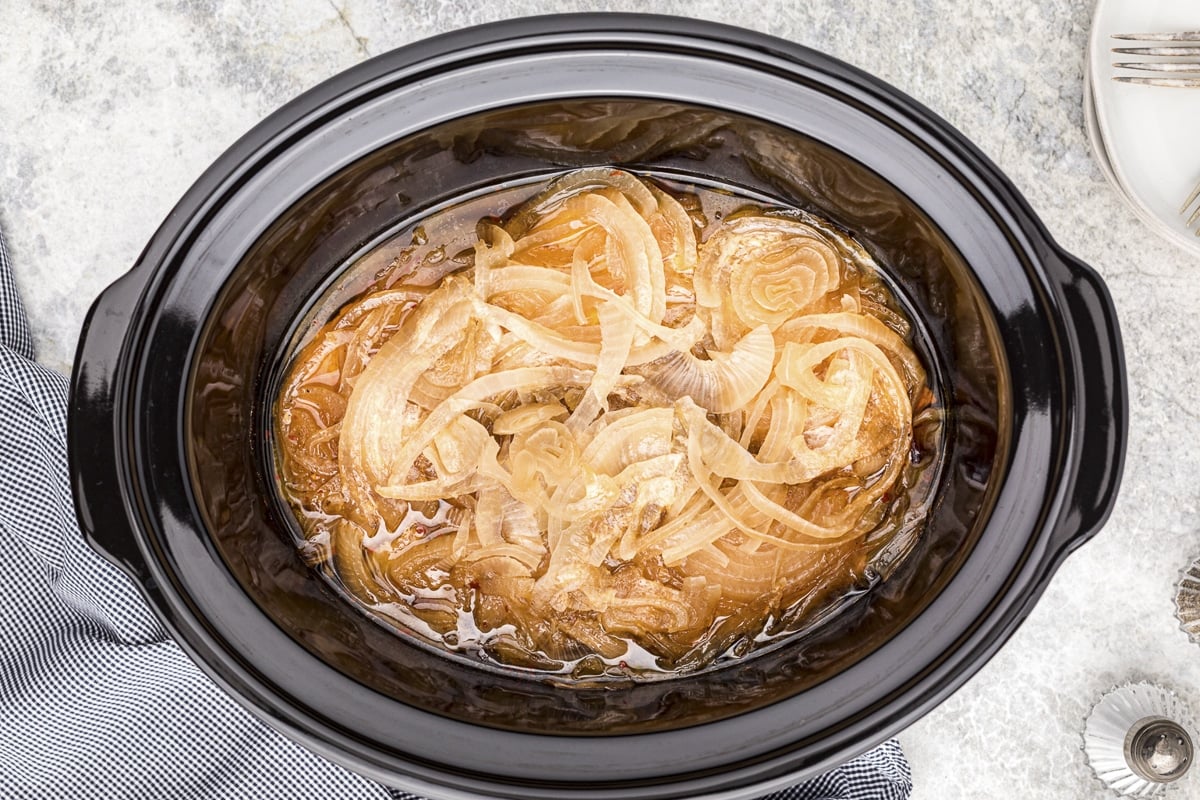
(97, 701)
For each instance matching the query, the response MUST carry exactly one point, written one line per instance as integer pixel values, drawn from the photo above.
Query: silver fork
(1192, 198)
(1185, 44)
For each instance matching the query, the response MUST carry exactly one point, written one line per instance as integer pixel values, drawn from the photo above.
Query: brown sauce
(640, 602)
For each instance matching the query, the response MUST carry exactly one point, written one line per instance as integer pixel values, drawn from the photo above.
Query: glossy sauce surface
(650, 611)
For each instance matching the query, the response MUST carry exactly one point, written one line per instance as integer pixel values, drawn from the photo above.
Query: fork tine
(1192, 198)
(1172, 50)
(1160, 66)
(1174, 83)
(1158, 51)
(1183, 36)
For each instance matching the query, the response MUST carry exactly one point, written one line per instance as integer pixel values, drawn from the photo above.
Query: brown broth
(446, 609)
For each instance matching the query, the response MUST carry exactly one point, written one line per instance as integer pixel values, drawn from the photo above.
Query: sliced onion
(863, 327)
(527, 417)
(469, 398)
(616, 339)
(388, 297)
(680, 234)
(727, 459)
(634, 252)
(742, 576)
(543, 205)
(489, 257)
(631, 438)
(725, 382)
(638, 435)
(377, 416)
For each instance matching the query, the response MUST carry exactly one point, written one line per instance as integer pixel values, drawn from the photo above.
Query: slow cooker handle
(1101, 400)
(94, 430)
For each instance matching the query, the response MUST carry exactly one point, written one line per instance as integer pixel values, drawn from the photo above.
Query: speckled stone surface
(109, 109)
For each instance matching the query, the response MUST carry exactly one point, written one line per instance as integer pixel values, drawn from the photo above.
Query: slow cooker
(180, 358)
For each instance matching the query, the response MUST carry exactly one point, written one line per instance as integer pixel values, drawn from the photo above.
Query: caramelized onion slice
(530, 379)
(860, 326)
(646, 441)
(723, 383)
(616, 340)
(527, 417)
(768, 269)
(378, 415)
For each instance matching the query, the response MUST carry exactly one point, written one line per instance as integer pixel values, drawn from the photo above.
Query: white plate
(1101, 151)
(1093, 131)
(1147, 138)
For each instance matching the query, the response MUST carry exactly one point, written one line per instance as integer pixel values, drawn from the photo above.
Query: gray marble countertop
(109, 110)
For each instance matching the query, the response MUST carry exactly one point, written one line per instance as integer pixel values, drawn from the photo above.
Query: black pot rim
(1082, 464)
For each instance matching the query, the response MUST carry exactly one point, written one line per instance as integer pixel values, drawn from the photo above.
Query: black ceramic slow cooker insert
(180, 360)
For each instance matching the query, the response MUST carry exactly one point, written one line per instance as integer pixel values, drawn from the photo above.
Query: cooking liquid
(437, 613)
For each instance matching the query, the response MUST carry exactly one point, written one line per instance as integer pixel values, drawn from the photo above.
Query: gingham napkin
(96, 700)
